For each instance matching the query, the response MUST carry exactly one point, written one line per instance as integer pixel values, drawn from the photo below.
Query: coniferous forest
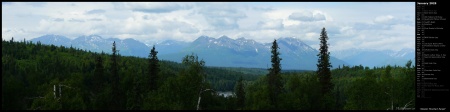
(49, 77)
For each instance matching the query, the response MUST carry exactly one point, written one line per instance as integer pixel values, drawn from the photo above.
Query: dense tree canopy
(49, 77)
(28, 78)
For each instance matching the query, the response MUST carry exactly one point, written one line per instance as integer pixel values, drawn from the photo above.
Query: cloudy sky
(365, 25)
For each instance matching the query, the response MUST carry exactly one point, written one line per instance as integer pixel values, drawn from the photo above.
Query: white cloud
(307, 16)
(275, 25)
(221, 16)
(6, 3)
(95, 11)
(341, 45)
(311, 36)
(347, 31)
(37, 4)
(383, 19)
(10, 33)
(155, 7)
(363, 25)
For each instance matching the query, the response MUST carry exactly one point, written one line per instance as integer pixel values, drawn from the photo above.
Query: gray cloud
(223, 16)
(319, 17)
(95, 11)
(276, 25)
(76, 20)
(170, 25)
(186, 21)
(37, 4)
(58, 19)
(188, 29)
(383, 23)
(306, 27)
(223, 23)
(95, 19)
(7, 3)
(150, 30)
(307, 16)
(154, 10)
(183, 27)
(393, 20)
(367, 26)
(145, 17)
(262, 8)
(156, 7)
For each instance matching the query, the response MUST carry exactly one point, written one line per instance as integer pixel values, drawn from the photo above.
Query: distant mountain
(241, 52)
(372, 58)
(95, 43)
(53, 39)
(225, 52)
(301, 55)
(170, 46)
(133, 47)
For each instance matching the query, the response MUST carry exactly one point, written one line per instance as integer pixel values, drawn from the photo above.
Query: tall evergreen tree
(114, 70)
(274, 77)
(153, 69)
(323, 66)
(115, 81)
(240, 94)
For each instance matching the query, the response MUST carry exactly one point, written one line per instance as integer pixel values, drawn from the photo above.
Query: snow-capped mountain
(91, 42)
(367, 57)
(404, 53)
(241, 52)
(133, 47)
(53, 39)
(95, 43)
(301, 55)
(240, 46)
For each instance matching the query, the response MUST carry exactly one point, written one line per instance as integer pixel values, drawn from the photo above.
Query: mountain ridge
(223, 51)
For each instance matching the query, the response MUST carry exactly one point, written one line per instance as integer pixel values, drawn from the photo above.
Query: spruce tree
(323, 66)
(153, 69)
(274, 76)
(118, 97)
(114, 70)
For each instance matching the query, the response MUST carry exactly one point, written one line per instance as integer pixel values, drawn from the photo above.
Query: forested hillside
(31, 72)
(48, 77)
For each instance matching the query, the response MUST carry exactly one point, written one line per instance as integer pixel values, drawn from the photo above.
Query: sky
(360, 25)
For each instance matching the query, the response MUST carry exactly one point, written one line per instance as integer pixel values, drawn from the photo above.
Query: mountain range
(227, 52)
(375, 57)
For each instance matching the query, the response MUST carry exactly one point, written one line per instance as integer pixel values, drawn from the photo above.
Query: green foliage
(253, 71)
(115, 80)
(224, 79)
(274, 77)
(257, 95)
(302, 91)
(30, 71)
(153, 70)
(375, 89)
(240, 93)
(323, 64)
